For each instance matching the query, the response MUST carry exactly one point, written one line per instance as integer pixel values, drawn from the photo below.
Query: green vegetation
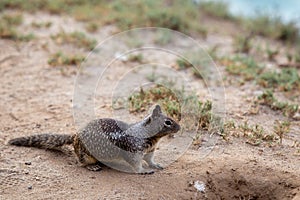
(178, 15)
(41, 24)
(197, 73)
(207, 120)
(133, 42)
(243, 44)
(26, 37)
(268, 99)
(183, 64)
(76, 38)
(242, 66)
(297, 57)
(59, 58)
(285, 79)
(13, 19)
(274, 27)
(164, 96)
(281, 128)
(92, 27)
(272, 53)
(167, 18)
(152, 77)
(52, 6)
(255, 134)
(212, 51)
(8, 28)
(216, 9)
(136, 58)
(167, 98)
(266, 25)
(163, 37)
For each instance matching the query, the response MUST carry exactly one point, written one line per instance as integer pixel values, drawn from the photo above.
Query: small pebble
(29, 187)
(27, 163)
(200, 186)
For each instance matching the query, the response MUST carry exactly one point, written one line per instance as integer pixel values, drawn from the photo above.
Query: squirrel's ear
(156, 111)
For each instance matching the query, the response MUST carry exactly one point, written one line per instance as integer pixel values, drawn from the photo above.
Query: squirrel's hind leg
(84, 157)
(94, 167)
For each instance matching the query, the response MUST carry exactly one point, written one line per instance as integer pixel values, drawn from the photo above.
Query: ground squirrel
(108, 141)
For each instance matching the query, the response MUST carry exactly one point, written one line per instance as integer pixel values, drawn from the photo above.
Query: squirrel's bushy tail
(45, 141)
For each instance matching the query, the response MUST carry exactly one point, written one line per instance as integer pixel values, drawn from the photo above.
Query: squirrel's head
(159, 124)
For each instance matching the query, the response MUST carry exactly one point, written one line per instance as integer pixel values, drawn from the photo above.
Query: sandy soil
(37, 98)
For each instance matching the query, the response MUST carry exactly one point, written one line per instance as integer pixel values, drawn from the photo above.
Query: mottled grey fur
(110, 141)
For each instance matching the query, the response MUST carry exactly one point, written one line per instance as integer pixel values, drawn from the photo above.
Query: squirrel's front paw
(147, 172)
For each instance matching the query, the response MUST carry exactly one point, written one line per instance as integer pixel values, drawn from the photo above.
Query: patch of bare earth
(37, 98)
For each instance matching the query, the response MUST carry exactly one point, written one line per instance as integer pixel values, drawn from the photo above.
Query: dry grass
(76, 38)
(268, 99)
(59, 59)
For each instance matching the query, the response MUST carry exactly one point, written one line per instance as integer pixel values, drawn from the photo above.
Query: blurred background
(286, 10)
(271, 15)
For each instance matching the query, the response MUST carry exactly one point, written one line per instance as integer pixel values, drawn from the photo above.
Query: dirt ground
(37, 98)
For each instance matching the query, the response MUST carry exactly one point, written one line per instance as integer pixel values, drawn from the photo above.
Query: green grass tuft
(76, 38)
(165, 97)
(273, 27)
(242, 66)
(218, 9)
(281, 128)
(207, 121)
(177, 15)
(255, 134)
(60, 58)
(286, 79)
(136, 58)
(184, 16)
(183, 64)
(268, 99)
(8, 28)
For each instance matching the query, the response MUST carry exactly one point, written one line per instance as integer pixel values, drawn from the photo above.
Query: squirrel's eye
(168, 122)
